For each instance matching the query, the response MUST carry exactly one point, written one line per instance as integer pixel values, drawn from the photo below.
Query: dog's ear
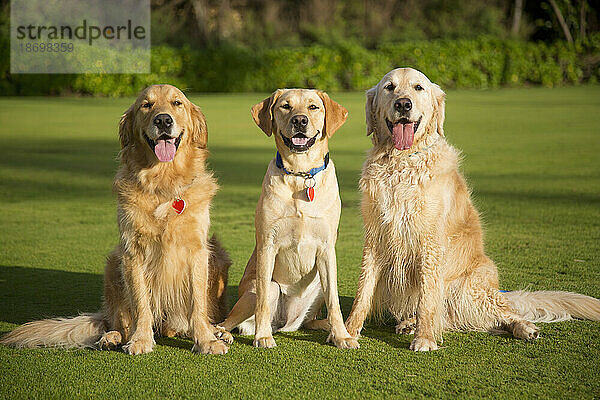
(370, 110)
(199, 132)
(439, 108)
(126, 127)
(335, 114)
(262, 113)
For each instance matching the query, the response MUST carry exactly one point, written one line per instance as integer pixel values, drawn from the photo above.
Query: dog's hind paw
(265, 342)
(318, 324)
(406, 326)
(526, 330)
(109, 341)
(168, 332)
(423, 344)
(222, 334)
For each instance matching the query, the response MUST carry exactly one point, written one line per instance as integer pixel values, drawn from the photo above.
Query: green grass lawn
(531, 157)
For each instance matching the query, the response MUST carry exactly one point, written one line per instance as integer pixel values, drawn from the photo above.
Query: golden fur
(165, 274)
(293, 267)
(423, 256)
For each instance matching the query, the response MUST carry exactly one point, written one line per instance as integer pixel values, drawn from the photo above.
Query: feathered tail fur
(78, 332)
(553, 306)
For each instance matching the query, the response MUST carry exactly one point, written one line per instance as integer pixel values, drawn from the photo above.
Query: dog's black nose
(403, 104)
(300, 121)
(163, 121)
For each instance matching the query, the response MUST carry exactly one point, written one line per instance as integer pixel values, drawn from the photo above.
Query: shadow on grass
(532, 188)
(57, 169)
(97, 159)
(387, 335)
(91, 157)
(35, 293)
(305, 335)
(175, 342)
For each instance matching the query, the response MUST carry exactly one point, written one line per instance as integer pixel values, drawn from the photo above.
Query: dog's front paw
(109, 341)
(406, 327)
(423, 344)
(343, 343)
(526, 330)
(139, 345)
(265, 342)
(221, 333)
(210, 347)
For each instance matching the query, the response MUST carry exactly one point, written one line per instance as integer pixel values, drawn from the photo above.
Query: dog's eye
(286, 107)
(419, 88)
(390, 87)
(177, 103)
(313, 107)
(147, 105)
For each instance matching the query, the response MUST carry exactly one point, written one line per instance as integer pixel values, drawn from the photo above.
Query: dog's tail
(552, 306)
(78, 332)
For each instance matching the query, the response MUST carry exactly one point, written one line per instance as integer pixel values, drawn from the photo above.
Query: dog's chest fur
(401, 196)
(300, 230)
(163, 242)
(393, 189)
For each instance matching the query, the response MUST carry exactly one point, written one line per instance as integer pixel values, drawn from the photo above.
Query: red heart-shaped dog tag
(178, 205)
(310, 193)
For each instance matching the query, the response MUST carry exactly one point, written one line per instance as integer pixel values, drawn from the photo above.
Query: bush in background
(467, 63)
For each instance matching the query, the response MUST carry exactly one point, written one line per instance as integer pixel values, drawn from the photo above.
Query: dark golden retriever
(165, 275)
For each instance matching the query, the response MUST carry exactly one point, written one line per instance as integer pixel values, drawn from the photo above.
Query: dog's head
(404, 107)
(299, 118)
(161, 121)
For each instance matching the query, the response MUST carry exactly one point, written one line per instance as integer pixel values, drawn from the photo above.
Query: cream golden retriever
(293, 266)
(423, 256)
(165, 274)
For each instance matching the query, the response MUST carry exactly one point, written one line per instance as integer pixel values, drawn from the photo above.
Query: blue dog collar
(309, 181)
(309, 174)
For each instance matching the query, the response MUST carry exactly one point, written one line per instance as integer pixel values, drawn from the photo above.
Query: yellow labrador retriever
(423, 255)
(294, 261)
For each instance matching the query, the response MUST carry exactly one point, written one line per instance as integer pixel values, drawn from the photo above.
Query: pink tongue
(165, 150)
(299, 141)
(403, 135)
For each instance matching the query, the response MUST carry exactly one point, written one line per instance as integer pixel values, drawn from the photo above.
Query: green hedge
(480, 63)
